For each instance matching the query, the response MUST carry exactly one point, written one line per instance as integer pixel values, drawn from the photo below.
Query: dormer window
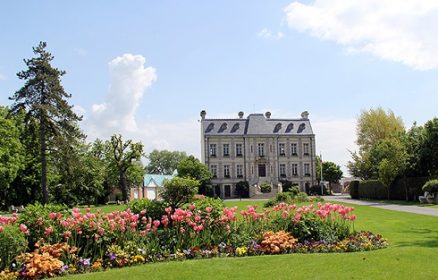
(277, 128)
(209, 128)
(223, 127)
(289, 127)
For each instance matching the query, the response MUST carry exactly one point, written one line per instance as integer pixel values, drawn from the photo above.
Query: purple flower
(112, 257)
(64, 268)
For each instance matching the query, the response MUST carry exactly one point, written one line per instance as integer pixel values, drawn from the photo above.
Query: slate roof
(257, 124)
(156, 178)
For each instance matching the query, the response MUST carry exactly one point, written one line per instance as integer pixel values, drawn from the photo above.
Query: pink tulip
(208, 209)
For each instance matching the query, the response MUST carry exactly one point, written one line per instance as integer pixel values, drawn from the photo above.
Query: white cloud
(128, 81)
(268, 34)
(402, 31)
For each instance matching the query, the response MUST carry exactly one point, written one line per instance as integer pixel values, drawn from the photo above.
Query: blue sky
(156, 64)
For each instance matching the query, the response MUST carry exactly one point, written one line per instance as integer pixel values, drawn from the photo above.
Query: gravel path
(395, 207)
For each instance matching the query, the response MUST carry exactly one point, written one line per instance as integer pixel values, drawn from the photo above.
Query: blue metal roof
(156, 178)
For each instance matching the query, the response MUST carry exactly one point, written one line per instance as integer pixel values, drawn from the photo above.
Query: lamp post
(321, 183)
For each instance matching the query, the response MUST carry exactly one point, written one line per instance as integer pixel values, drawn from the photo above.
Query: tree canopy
(164, 162)
(44, 101)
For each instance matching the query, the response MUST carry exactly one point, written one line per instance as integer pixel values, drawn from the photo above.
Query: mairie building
(258, 149)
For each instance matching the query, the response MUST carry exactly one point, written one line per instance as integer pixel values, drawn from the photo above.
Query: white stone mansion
(258, 149)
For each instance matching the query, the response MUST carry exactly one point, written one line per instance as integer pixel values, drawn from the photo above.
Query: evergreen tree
(44, 99)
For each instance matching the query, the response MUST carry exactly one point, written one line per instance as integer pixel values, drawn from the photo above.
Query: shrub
(265, 188)
(12, 243)
(153, 208)
(354, 189)
(36, 218)
(214, 205)
(242, 189)
(288, 186)
(431, 186)
(178, 191)
(372, 189)
(316, 190)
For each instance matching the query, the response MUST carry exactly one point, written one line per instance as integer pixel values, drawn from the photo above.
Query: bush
(265, 188)
(354, 189)
(12, 243)
(216, 205)
(316, 190)
(288, 197)
(242, 189)
(178, 191)
(431, 186)
(288, 186)
(154, 208)
(36, 218)
(372, 189)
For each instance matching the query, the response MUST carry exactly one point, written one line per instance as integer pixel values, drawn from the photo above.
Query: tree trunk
(123, 187)
(43, 143)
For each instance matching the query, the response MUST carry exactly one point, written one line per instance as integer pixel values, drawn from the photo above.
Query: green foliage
(354, 189)
(289, 197)
(331, 172)
(288, 186)
(12, 244)
(123, 158)
(373, 126)
(216, 205)
(372, 189)
(242, 189)
(11, 153)
(265, 188)
(191, 167)
(178, 191)
(164, 162)
(36, 218)
(428, 156)
(431, 186)
(153, 208)
(44, 101)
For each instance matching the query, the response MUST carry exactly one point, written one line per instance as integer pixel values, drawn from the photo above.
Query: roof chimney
(305, 115)
(268, 115)
(203, 114)
(241, 114)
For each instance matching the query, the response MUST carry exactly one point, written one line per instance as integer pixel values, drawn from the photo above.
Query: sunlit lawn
(413, 254)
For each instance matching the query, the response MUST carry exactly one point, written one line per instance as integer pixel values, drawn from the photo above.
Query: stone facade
(258, 149)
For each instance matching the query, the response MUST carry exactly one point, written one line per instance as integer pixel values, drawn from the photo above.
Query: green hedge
(354, 189)
(372, 189)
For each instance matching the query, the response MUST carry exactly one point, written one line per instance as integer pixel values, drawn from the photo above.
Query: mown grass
(412, 254)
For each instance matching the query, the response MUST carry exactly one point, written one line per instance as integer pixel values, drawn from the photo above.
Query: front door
(262, 170)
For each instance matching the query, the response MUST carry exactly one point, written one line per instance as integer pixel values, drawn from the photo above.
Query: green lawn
(403, 202)
(413, 254)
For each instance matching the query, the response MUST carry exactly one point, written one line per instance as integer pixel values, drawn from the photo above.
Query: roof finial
(241, 114)
(305, 115)
(268, 115)
(203, 114)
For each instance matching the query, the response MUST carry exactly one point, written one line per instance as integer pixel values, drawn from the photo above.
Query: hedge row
(402, 189)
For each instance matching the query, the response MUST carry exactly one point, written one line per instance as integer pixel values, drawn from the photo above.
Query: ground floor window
(227, 190)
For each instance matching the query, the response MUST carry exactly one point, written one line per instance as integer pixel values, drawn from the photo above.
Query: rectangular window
(282, 149)
(239, 150)
(307, 169)
(226, 150)
(294, 169)
(213, 150)
(261, 149)
(282, 170)
(239, 171)
(252, 150)
(294, 149)
(213, 170)
(306, 149)
(226, 171)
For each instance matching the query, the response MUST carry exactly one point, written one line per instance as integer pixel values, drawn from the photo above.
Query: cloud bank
(269, 35)
(401, 31)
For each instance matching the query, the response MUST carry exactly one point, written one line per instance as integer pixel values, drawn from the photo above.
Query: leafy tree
(331, 172)
(11, 153)
(44, 99)
(124, 155)
(387, 173)
(242, 189)
(191, 167)
(373, 126)
(178, 191)
(428, 152)
(164, 162)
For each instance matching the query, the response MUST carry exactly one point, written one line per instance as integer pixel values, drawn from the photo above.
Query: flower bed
(62, 242)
